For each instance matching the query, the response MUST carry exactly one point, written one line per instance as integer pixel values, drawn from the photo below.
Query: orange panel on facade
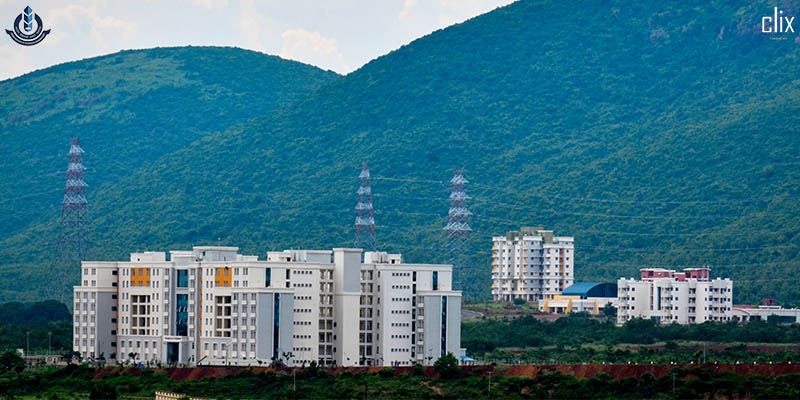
(222, 277)
(140, 277)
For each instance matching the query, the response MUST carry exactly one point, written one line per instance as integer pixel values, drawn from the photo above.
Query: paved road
(466, 314)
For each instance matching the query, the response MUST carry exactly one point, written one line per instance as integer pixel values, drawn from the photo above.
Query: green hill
(656, 134)
(129, 108)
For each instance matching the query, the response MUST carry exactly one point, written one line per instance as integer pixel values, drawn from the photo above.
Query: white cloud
(251, 23)
(102, 28)
(408, 5)
(465, 9)
(313, 48)
(15, 62)
(210, 4)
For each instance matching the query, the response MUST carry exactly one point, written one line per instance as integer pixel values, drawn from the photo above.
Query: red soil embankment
(581, 371)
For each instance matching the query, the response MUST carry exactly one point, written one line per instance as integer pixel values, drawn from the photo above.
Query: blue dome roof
(591, 289)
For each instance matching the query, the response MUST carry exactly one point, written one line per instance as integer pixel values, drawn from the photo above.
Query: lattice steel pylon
(365, 214)
(72, 245)
(457, 229)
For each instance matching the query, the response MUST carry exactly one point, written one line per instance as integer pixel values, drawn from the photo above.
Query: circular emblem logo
(28, 28)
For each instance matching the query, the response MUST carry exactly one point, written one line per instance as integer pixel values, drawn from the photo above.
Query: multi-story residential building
(213, 306)
(687, 297)
(531, 264)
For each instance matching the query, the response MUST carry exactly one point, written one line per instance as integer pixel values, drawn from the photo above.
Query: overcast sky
(339, 35)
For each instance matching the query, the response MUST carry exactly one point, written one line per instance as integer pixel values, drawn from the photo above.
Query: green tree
(609, 311)
(447, 366)
(102, 390)
(11, 361)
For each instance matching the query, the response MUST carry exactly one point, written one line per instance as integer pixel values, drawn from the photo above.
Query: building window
(276, 324)
(181, 314)
(183, 278)
(444, 324)
(435, 280)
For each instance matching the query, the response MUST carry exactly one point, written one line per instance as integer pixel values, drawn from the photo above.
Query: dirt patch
(438, 390)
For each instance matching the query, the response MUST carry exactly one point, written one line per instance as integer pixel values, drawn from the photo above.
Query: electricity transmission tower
(457, 229)
(73, 240)
(365, 215)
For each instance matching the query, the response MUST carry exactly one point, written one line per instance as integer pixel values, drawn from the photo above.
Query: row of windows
(209, 296)
(224, 347)
(401, 336)
(138, 344)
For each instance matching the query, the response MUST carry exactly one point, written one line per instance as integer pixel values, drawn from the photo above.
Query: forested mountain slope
(656, 134)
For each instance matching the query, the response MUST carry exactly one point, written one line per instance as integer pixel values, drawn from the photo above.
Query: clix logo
(28, 19)
(777, 23)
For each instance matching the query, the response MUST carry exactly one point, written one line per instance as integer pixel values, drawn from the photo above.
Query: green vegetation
(314, 383)
(660, 133)
(130, 109)
(45, 325)
(667, 353)
(578, 338)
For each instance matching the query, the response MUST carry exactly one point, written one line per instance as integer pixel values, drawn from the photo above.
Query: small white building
(589, 297)
(213, 306)
(750, 313)
(531, 264)
(687, 297)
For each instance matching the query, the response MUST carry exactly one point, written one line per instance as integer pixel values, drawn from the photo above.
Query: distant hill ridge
(657, 135)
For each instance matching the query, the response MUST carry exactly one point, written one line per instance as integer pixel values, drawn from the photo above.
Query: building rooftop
(591, 289)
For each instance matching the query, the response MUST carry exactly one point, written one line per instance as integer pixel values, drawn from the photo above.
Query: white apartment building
(213, 306)
(531, 264)
(687, 297)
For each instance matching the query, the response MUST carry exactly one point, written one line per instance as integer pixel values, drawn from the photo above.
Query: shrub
(447, 366)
